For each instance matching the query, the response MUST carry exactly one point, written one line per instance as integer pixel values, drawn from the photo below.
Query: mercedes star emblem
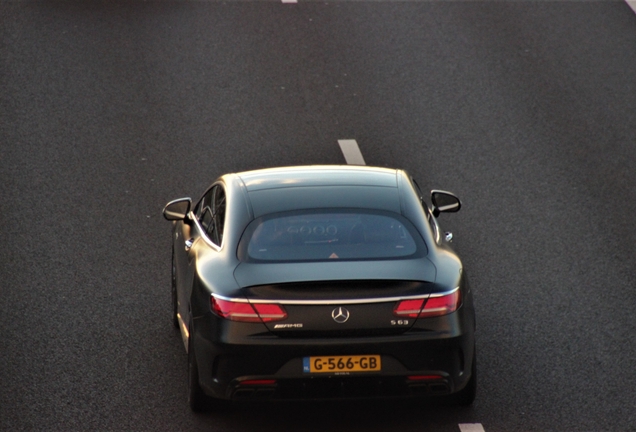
(340, 315)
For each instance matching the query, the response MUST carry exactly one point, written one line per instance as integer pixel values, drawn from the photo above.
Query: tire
(175, 319)
(197, 399)
(466, 396)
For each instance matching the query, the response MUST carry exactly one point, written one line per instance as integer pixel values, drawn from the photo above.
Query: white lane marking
(471, 427)
(289, 1)
(351, 152)
(631, 4)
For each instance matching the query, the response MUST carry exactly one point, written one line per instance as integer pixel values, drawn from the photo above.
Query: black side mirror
(444, 202)
(177, 209)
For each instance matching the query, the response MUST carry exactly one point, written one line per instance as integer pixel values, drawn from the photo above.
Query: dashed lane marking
(631, 4)
(351, 152)
(471, 427)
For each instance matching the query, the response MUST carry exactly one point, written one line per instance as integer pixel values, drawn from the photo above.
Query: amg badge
(285, 326)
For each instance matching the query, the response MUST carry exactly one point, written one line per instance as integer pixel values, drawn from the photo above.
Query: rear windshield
(320, 236)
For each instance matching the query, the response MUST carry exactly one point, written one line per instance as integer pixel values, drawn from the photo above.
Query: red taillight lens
(234, 311)
(408, 308)
(245, 312)
(434, 306)
(270, 312)
(437, 306)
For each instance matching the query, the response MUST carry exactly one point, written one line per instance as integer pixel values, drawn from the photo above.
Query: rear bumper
(226, 369)
(337, 387)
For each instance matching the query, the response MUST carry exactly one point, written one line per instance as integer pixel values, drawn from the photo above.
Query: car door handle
(188, 244)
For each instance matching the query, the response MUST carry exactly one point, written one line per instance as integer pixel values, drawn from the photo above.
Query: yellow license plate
(336, 364)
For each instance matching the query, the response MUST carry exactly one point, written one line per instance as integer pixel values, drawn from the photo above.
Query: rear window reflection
(327, 236)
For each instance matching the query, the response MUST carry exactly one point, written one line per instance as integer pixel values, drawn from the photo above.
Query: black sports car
(320, 282)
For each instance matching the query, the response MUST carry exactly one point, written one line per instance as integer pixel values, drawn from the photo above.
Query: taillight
(442, 305)
(409, 308)
(431, 307)
(270, 311)
(246, 312)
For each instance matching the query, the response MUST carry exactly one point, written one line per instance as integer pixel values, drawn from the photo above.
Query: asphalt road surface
(109, 109)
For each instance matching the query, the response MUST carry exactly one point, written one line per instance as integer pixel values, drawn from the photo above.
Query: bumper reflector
(257, 382)
(424, 377)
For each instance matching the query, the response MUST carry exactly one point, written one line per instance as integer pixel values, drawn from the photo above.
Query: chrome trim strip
(204, 236)
(183, 329)
(444, 293)
(334, 302)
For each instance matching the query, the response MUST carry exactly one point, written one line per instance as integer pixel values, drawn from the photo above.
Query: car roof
(318, 175)
(319, 187)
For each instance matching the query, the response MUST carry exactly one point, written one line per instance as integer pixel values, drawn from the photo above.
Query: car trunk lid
(339, 308)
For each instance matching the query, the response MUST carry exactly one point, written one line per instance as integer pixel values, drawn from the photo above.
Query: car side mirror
(177, 209)
(444, 202)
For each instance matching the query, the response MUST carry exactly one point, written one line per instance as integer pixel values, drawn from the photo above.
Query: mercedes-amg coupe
(320, 282)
